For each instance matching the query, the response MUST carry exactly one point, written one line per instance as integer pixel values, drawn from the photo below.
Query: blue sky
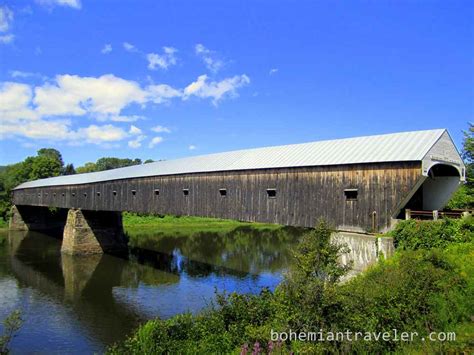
(167, 79)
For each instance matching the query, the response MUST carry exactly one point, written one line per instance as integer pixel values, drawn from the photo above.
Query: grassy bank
(428, 286)
(185, 225)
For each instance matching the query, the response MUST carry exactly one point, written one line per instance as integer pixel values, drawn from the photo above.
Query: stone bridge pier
(84, 232)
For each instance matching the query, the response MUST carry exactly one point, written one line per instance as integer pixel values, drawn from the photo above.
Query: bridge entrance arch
(434, 190)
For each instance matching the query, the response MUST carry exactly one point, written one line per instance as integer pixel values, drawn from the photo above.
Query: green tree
(44, 166)
(68, 170)
(308, 290)
(113, 163)
(464, 196)
(468, 154)
(47, 163)
(88, 167)
(51, 153)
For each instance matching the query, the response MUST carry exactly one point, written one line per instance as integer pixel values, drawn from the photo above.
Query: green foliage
(47, 163)
(87, 168)
(417, 291)
(135, 223)
(415, 234)
(462, 198)
(427, 289)
(11, 325)
(468, 153)
(44, 166)
(113, 163)
(107, 163)
(52, 154)
(307, 293)
(69, 170)
(233, 320)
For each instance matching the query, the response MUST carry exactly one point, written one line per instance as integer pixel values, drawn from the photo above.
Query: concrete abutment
(84, 232)
(93, 232)
(365, 250)
(36, 218)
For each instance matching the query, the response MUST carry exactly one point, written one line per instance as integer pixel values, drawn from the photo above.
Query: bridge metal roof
(406, 146)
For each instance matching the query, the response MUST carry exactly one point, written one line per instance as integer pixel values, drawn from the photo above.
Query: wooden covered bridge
(361, 184)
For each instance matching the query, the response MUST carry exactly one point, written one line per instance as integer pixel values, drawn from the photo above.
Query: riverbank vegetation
(425, 288)
(185, 225)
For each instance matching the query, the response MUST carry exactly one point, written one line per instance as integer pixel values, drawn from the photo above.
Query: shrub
(420, 291)
(413, 234)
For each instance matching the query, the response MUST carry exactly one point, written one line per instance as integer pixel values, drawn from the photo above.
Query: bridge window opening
(39, 195)
(54, 194)
(73, 194)
(134, 192)
(85, 194)
(223, 192)
(63, 194)
(98, 194)
(156, 192)
(114, 193)
(271, 193)
(185, 192)
(351, 194)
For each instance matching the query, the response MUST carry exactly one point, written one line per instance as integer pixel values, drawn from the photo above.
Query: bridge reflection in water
(88, 302)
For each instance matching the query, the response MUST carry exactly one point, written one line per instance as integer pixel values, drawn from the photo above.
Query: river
(83, 304)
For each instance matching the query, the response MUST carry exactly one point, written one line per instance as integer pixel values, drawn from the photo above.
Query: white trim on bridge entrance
(396, 147)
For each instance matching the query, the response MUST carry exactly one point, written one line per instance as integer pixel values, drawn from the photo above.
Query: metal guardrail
(435, 214)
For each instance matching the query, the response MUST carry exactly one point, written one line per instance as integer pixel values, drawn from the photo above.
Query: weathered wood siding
(303, 195)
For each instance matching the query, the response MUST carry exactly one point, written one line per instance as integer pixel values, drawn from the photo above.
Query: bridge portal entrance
(434, 191)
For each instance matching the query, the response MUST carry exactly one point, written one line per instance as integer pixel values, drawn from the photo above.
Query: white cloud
(40, 129)
(75, 4)
(6, 39)
(137, 142)
(129, 47)
(122, 118)
(162, 93)
(192, 147)
(59, 130)
(25, 75)
(106, 49)
(209, 57)
(164, 61)
(6, 18)
(161, 129)
(215, 89)
(102, 98)
(74, 95)
(14, 102)
(273, 71)
(46, 111)
(134, 130)
(99, 134)
(155, 141)
(20, 74)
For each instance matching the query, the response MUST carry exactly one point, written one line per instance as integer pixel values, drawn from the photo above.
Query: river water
(83, 304)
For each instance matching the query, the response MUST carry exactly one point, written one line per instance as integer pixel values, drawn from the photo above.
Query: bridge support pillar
(93, 232)
(25, 218)
(17, 223)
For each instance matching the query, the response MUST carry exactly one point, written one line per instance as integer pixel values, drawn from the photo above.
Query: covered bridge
(357, 184)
